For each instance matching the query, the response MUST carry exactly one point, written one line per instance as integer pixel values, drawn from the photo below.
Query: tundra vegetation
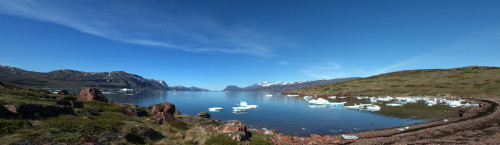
(100, 122)
(472, 81)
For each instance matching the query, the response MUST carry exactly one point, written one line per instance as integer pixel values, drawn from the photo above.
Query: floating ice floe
(349, 137)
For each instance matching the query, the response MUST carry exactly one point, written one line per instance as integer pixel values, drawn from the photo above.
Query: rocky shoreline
(477, 126)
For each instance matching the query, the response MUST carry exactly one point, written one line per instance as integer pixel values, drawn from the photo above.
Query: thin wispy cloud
(141, 25)
(283, 63)
(328, 70)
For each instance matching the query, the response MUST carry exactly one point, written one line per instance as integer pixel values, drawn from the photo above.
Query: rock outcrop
(91, 94)
(204, 115)
(63, 92)
(162, 113)
(233, 128)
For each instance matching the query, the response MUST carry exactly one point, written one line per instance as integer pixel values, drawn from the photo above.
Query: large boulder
(237, 130)
(162, 113)
(91, 94)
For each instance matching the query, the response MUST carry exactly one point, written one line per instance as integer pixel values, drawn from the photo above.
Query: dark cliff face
(232, 88)
(78, 79)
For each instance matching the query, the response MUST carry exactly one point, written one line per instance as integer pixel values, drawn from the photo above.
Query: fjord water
(289, 115)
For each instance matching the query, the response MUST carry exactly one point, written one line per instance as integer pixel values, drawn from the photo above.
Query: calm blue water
(289, 115)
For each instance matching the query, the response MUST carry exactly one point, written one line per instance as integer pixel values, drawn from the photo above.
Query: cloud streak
(328, 70)
(143, 25)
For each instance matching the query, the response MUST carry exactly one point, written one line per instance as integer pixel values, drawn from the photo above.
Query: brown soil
(477, 126)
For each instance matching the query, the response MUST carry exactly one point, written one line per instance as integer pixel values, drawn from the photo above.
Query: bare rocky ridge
(77, 79)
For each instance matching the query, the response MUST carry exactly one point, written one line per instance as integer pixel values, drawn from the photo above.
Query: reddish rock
(239, 136)
(335, 141)
(63, 92)
(234, 128)
(211, 127)
(161, 118)
(177, 112)
(91, 94)
(316, 137)
(326, 138)
(162, 112)
(11, 108)
(162, 107)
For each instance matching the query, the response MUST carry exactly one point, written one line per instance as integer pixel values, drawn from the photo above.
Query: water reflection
(291, 115)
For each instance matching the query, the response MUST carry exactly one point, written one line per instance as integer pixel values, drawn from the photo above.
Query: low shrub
(106, 106)
(9, 126)
(179, 124)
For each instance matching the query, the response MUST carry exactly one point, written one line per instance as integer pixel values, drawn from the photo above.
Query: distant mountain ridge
(285, 86)
(67, 78)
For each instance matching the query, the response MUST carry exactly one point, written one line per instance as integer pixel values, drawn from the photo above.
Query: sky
(212, 44)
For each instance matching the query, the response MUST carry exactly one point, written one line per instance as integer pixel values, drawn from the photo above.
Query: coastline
(476, 127)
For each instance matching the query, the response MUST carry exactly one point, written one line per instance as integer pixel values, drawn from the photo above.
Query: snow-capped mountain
(285, 86)
(267, 84)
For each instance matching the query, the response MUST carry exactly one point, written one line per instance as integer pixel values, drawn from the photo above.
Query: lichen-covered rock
(91, 94)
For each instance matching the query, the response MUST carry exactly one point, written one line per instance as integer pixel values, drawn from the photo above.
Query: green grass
(9, 126)
(467, 81)
(66, 136)
(260, 142)
(106, 106)
(220, 140)
(69, 123)
(179, 124)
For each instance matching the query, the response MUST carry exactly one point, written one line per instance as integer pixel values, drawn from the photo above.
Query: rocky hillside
(465, 81)
(77, 79)
(182, 88)
(285, 86)
(232, 88)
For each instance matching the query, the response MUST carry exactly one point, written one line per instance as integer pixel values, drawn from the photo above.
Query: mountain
(285, 86)
(465, 81)
(77, 79)
(231, 88)
(182, 88)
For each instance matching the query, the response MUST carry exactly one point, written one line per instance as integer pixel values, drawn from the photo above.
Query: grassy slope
(467, 81)
(87, 127)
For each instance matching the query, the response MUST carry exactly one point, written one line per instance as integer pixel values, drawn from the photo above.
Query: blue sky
(211, 44)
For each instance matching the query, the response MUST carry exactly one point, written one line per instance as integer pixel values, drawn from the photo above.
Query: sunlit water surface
(289, 115)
